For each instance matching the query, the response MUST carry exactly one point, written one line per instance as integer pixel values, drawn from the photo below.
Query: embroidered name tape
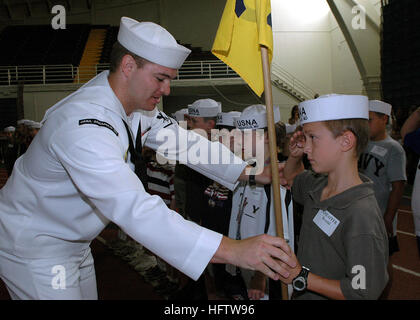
(98, 123)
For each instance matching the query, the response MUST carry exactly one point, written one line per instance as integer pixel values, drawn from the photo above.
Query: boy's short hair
(359, 127)
(382, 115)
(118, 52)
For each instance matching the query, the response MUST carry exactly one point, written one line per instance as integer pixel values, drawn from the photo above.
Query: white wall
(301, 31)
(309, 44)
(285, 103)
(36, 101)
(346, 78)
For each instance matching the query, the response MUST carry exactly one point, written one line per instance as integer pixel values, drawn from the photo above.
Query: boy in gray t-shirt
(384, 161)
(343, 247)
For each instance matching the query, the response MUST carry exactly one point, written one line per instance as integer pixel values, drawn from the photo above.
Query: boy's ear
(348, 140)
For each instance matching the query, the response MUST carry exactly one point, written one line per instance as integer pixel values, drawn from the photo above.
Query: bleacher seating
(111, 37)
(37, 45)
(61, 50)
(41, 45)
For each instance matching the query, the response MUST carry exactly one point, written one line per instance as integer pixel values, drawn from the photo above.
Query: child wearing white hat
(384, 162)
(179, 115)
(343, 245)
(252, 204)
(203, 114)
(201, 117)
(217, 208)
(9, 129)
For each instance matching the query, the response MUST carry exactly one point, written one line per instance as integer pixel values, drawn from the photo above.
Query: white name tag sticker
(379, 151)
(326, 222)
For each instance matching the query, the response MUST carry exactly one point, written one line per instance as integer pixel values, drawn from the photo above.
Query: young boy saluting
(343, 245)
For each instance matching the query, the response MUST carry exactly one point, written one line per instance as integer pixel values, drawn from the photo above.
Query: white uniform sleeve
(95, 164)
(211, 159)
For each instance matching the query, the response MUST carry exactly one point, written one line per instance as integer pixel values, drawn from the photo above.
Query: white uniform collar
(107, 97)
(96, 91)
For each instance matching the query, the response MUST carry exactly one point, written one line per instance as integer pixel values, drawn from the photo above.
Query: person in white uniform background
(253, 210)
(76, 177)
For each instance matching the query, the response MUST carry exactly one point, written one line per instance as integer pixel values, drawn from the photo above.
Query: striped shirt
(161, 181)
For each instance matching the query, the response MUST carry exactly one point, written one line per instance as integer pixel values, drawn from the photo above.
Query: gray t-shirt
(343, 237)
(383, 162)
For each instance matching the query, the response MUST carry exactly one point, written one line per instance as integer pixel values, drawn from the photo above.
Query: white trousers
(415, 201)
(64, 278)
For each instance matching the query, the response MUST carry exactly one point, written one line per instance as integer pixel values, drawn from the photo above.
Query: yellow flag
(245, 25)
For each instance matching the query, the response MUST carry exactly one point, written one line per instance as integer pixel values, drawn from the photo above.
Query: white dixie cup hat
(151, 42)
(227, 118)
(9, 129)
(380, 107)
(179, 115)
(35, 125)
(204, 108)
(255, 117)
(334, 107)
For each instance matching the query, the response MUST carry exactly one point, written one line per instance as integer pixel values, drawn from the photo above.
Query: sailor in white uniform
(253, 210)
(76, 177)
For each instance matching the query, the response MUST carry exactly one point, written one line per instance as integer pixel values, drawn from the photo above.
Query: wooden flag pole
(273, 151)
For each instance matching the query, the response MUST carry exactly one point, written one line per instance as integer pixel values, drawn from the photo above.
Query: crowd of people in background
(207, 203)
(16, 140)
(213, 206)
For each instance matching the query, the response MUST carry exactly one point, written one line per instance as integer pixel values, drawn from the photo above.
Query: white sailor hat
(380, 106)
(334, 107)
(255, 117)
(227, 118)
(204, 108)
(10, 129)
(151, 42)
(22, 121)
(179, 115)
(35, 125)
(28, 123)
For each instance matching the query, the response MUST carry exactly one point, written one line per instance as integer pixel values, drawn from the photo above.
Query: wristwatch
(300, 283)
(252, 181)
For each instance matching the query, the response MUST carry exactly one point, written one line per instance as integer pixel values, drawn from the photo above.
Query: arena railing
(190, 70)
(67, 73)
